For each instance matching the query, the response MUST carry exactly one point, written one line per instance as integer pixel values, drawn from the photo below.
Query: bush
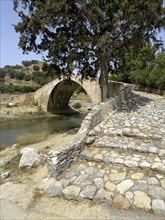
(19, 75)
(36, 68)
(2, 73)
(17, 89)
(77, 105)
(27, 77)
(27, 63)
(153, 78)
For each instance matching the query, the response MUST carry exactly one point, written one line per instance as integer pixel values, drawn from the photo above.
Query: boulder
(30, 158)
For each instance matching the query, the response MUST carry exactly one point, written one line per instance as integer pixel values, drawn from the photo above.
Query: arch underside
(58, 102)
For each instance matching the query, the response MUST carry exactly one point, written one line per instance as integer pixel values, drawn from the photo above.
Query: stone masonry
(123, 162)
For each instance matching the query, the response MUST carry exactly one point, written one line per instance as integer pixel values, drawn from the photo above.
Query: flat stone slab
(120, 187)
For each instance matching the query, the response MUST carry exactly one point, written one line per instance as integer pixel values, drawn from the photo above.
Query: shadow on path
(134, 103)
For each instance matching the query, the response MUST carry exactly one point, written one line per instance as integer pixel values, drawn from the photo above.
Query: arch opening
(59, 99)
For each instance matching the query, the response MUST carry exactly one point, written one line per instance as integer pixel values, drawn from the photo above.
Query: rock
(121, 202)
(45, 183)
(152, 181)
(71, 192)
(141, 200)
(98, 182)
(106, 178)
(101, 173)
(124, 185)
(163, 183)
(90, 140)
(119, 160)
(65, 182)
(81, 179)
(110, 186)
(28, 150)
(157, 192)
(30, 159)
(88, 192)
(158, 167)
(81, 167)
(137, 176)
(152, 150)
(130, 163)
(145, 165)
(71, 174)
(158, 206)
(90, 170)
(129, 196)
(5, 175)
(139, 185)
(103, 196)
(54, 189)
(117, 176)
(11, 104)
(98, 157)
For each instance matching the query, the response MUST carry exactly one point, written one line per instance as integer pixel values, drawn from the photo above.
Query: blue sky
(10, 54)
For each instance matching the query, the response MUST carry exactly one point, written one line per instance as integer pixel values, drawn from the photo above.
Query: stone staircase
(125, 165)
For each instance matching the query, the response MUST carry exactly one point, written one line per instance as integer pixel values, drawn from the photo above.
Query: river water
(11, 130)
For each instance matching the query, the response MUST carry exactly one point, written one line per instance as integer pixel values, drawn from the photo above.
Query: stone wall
(147, 89)
(19, 99)
(59, 161)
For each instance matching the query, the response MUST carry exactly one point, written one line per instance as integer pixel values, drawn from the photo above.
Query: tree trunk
(104, 82)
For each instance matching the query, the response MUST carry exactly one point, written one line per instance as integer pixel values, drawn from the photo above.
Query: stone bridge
(54, 96)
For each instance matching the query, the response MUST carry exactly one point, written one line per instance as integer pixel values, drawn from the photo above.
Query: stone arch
(54, 96)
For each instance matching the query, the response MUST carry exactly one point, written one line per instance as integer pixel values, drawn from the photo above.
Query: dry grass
(31, 138)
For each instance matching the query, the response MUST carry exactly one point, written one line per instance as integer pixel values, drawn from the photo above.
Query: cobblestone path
(124, 162)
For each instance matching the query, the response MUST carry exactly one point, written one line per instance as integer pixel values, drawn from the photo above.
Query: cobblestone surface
(125, 165)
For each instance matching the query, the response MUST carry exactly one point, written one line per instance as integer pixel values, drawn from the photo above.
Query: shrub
(36, 68)
(19, 75)
(27, 77)
(153, 78)
(77, 105)
(17, 89)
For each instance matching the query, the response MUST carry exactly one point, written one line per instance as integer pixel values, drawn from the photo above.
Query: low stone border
(60, 160)
(147, 89)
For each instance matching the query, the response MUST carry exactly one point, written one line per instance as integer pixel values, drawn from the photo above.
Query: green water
(11, 130)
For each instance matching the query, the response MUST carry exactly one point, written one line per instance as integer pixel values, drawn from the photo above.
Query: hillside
(27, 77)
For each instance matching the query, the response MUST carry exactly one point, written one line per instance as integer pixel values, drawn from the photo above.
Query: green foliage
(27, 63)
(90, 36)
(80, 90)
(19, 75)
(27, 77)
(152, 78)
(40, 78)
(2, 73)
(36, 68)
(17, 89)
(77, 105)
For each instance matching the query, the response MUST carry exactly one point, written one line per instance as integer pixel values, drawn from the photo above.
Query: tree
(91, 35)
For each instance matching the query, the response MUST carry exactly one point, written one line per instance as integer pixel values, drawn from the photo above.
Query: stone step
(125, 143)
(127, 132)
(119, 187)
(118, 157)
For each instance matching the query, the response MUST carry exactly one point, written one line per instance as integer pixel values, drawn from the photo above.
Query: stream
(12, 129)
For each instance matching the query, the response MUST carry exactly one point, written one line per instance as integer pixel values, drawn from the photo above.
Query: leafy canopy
(91, 36)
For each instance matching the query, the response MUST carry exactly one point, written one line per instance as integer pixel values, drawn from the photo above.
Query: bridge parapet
(60, 160)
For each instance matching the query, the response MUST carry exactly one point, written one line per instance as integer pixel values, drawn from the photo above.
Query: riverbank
(20, 198)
